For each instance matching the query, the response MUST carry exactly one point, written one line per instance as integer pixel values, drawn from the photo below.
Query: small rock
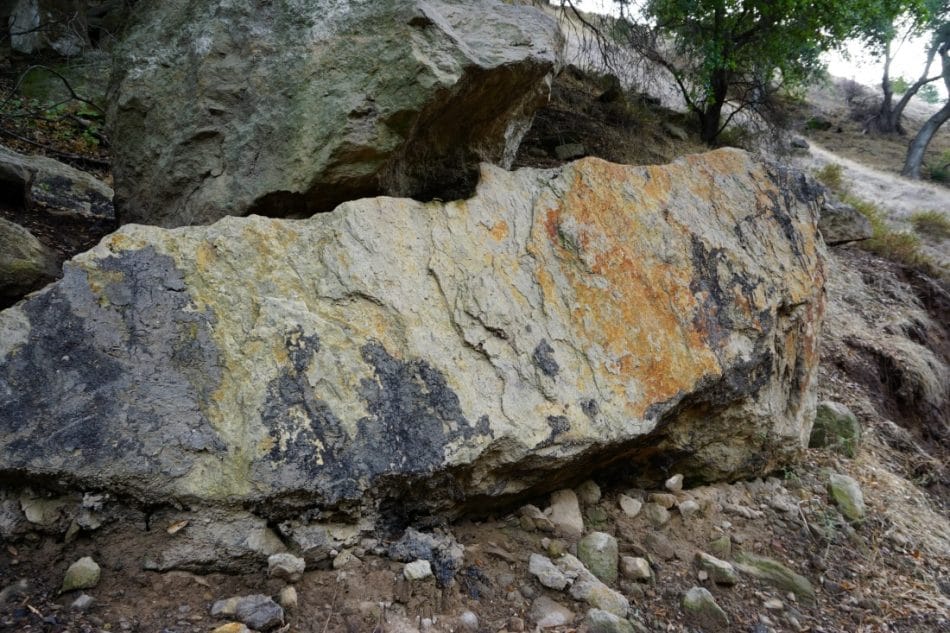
(599, 553)
(674, 483)
(675, 131)
(657, 515)
(565, 514)
(344, 558)
(721, 572)
(599, 621)
(14, 590)
(846, 493)
(417, 570)
(556, 548)
(515, 624)
(835, 427)
(702, 575)
(776, 574)
(630, 506)
(469, 621)
(533, 519)
(701, 608)
(83, 603)
(259, 612)
(660, 545)
(83, 574)
(688, 507)
(288, 598)
(664, 499)
(546, 572)
(636, 568)
(224, 608)
(774, 604)
(799, 143)
(232, 627)
(547, 613)
(285, 567)
(588, 492)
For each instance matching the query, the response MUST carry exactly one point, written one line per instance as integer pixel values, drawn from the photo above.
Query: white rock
(285, 566)
(688, 507)
(565, 514)
(636, 568)
(674, 483)
(417, 570)
(288, 598)
(630, 506)
(547, 572)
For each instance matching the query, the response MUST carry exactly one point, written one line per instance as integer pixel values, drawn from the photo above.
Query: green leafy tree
(737, 53)
(918, 146)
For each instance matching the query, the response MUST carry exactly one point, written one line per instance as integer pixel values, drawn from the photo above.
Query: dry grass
(931, 224)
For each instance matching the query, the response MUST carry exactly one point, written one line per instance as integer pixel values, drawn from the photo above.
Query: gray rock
(83, 603)
(799, 143)
(847, 495)
(547, 613)
(599, 553)
(701, 608)
(588, 492)
(316, 541)
(25, 264)
(656, 514)
(469, 621)
(776, 574)
(636, 568)
(720, 571)
(630, 506)
(441, 550)
(533, 519)
(83, 574)
(259, 612)
(660, 545)
(662, 499)
(285, 566)
(341, 100)
(417, 570)
(687, 507)
(206, 379)
(569, 151)
(565, 514)
(547, 572)
(599, 621)
(591, 589)
(14, 590)
(835, 427)
(841, 223)
(721, 546)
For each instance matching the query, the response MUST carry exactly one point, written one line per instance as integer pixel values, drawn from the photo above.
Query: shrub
(832, 176)
(931, 223)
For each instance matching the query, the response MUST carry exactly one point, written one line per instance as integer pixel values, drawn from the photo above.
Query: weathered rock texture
(25, 264)
(224, 108)
(420, 355)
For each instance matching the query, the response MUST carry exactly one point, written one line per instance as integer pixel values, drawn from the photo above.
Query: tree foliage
(737, 52)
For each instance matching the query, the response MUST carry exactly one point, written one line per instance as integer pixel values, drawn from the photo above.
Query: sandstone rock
(777, 575)
(841, 223)
(630, 506)
(285, 566)
(599, 621)
(349, 361)
(565, 514)
(598, 552)
(83, 574)
(701, 608)
(232, 627)
(835, 427)
(846, 493)
(338, 101)
(25, 264)
(547, 572)
(547, 613)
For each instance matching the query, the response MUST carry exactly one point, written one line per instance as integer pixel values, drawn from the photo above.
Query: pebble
(533, 519)
(232, 627)
(598, 552)
(773, 604)
(657, 515)
(588, 492)
(630, 506)
(663, 499)
(83, 574)
(636, 568)
(674, 483)
(285, 566)
(83, 603)
(469, 621)
(417, 570)
(547, 613)
(688, 507)
(288, 598)
(701, 607)
(259, 612)
(515, 624)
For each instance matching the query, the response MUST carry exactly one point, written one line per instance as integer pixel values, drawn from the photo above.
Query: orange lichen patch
(643, 317)
(499, 231)
(205, 256)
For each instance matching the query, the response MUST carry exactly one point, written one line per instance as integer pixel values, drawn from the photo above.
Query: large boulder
(408, 357)
(25, 264)
(229, 108)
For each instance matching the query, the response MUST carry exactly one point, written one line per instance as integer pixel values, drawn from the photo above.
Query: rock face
(405, 357)
(291, 108)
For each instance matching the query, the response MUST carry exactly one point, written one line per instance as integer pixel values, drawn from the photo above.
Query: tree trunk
(886, 121)
(915, 153)
(711, 113)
